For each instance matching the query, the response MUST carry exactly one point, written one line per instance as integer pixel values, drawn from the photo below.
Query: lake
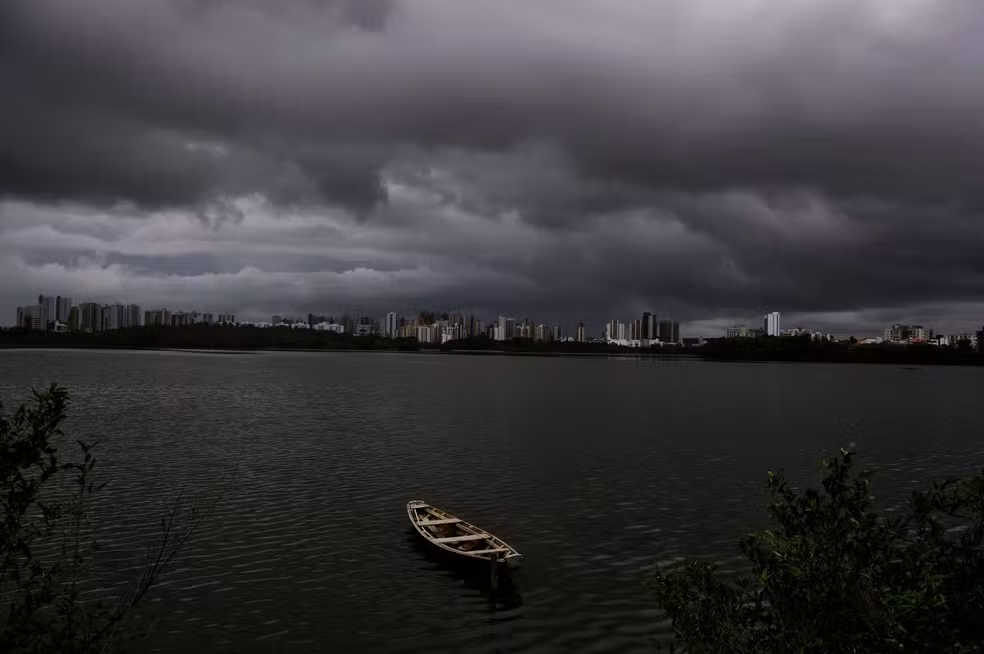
(597, 470)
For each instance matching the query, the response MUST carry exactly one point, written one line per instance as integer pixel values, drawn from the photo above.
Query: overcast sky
(709, 160)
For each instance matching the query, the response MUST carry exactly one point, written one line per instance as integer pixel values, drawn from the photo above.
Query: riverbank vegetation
(245, 337)
(206, 337)
(836, 576)
(804, 349)
(47, 542)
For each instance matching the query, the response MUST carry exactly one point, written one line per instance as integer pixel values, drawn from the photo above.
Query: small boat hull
(459, 539)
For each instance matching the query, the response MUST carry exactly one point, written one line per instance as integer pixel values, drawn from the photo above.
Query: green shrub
(836, 576)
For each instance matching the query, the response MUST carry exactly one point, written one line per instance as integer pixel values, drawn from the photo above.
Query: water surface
(598, 470)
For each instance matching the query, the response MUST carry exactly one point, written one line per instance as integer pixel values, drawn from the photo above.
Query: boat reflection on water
(501, 590)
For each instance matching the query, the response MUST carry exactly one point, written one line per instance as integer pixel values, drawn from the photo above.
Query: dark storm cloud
(831, 94)
(711, 157)
(97, 107)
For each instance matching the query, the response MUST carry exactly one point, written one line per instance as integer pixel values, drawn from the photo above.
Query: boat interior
(455, 533)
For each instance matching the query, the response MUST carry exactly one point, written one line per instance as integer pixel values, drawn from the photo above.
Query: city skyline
(60, 313)
(572, 160)
(56, 312)
(702, 328)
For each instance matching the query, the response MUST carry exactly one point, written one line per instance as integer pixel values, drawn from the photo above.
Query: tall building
(32, 317)
(648, 326)
(113, 316)
(158, 318)
(122, 316)
(636, 332)
(432, 334)
(773, 324)
(131, 316)
(93, 317)
(391, 324)
(49, 308)
(505, 329)
(90, 317)
(227, 319)
(73, 319)
(63, 308)
(615, 331)
(668, 331)
(453, 332)
(580, 335)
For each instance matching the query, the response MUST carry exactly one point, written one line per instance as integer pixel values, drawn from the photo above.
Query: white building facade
(773, 324)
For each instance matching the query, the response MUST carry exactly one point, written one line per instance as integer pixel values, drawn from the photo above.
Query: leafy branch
(835, 575)
(46, 538)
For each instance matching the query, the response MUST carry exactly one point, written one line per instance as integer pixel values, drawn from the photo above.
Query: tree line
(215, 337)
(235, 337)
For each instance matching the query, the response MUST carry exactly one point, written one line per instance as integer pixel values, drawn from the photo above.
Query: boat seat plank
(494, 550)
(460, 539)
(444, 521)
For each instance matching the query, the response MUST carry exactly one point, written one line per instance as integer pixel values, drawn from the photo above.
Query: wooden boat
(455, 536)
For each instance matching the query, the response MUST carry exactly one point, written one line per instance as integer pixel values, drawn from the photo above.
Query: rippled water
(597, 470)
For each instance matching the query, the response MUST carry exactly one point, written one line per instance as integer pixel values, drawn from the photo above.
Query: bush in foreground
(46, 540)
(836, 576)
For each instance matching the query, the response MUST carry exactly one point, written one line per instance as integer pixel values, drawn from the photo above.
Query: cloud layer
(566, 159)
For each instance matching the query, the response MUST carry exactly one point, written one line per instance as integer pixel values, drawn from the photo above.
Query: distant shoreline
(127, 348)
(625, 354)
(969, 360)
(220, 339)
(640, 354)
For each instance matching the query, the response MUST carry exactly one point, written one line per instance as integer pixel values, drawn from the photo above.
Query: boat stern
(512, 561)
